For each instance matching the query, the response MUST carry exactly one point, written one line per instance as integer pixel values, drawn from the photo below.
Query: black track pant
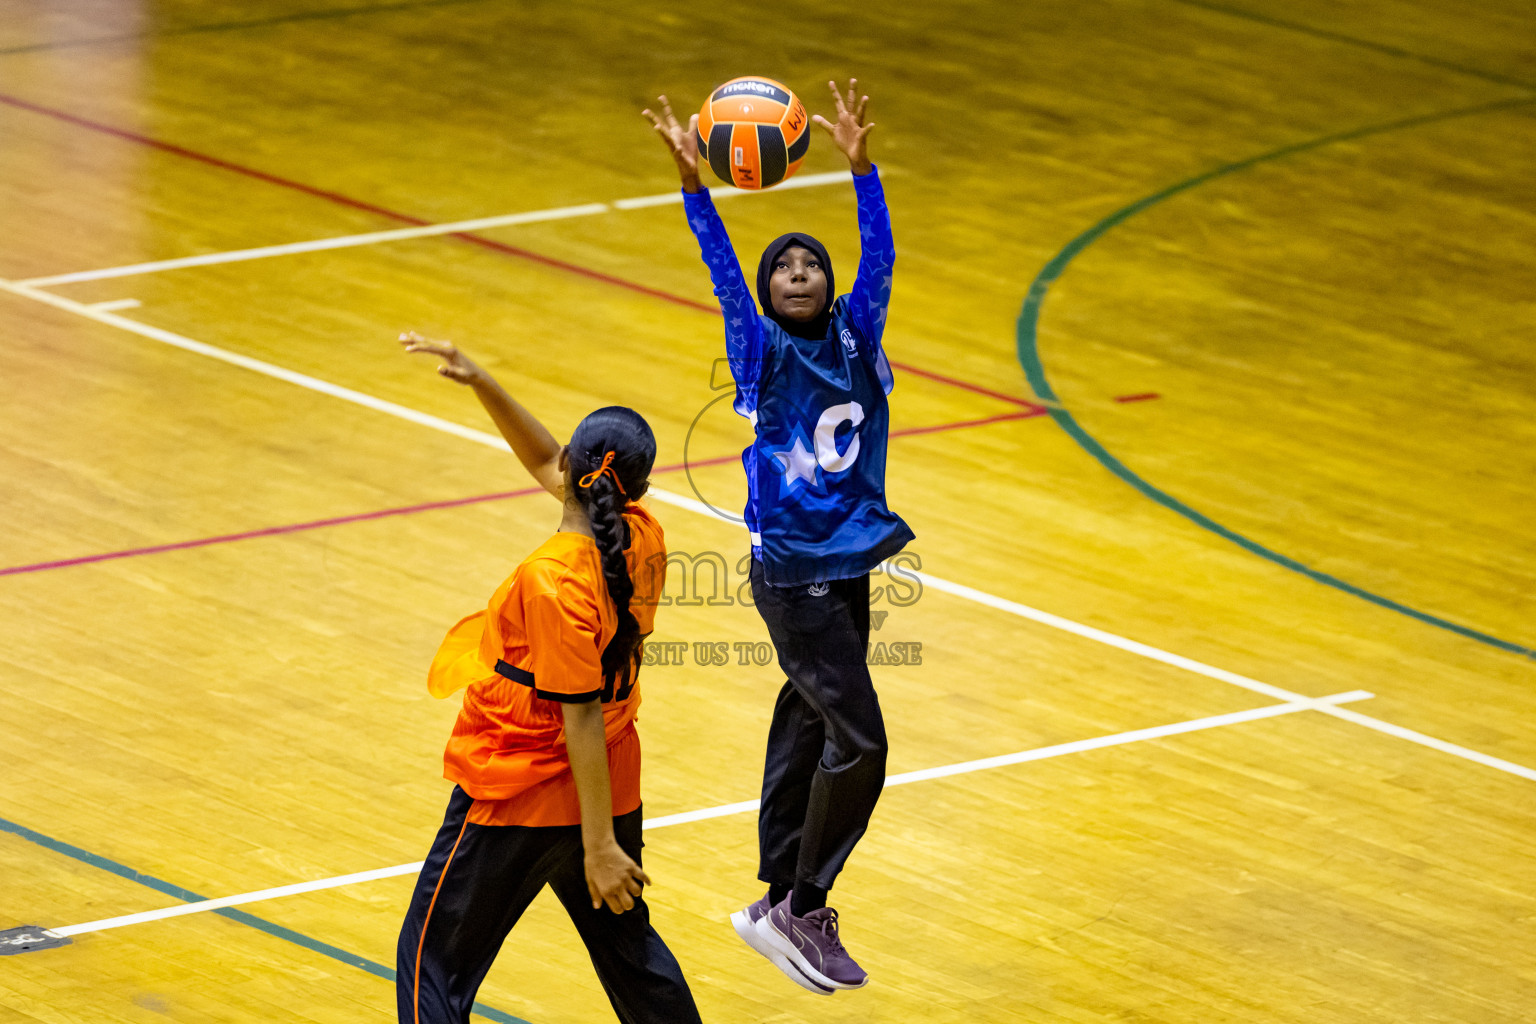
(826, 746)
(478, 880)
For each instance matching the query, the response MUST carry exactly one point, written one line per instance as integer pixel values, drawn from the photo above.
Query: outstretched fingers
(414, 342)
(455, 366)
(851, 106)
(849, 129)
(665, 124)
(837, 98)
(658, 127)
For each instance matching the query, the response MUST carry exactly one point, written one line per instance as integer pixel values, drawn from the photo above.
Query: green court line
(188, 896)
(1034, 369)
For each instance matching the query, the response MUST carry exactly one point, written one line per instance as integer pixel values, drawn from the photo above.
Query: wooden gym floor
(1267, 269)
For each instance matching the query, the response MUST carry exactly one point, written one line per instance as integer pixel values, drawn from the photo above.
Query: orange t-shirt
(538, 644)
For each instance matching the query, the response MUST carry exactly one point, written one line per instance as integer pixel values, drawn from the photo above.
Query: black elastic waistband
(512, 672)
(523, 676)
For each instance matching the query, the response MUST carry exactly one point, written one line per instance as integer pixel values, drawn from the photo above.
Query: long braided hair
(611, 454)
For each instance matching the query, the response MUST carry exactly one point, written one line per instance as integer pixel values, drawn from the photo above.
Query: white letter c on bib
(826, 429)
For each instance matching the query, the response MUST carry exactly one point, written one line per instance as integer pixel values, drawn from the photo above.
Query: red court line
(1147, 397)
(315, 524)
(270, 531)
(356, 204)
(968, 386)
(212, 161)
(405, 218)
(1022, 414)
(718, 460)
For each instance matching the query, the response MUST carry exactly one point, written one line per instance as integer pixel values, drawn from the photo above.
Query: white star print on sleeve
(744, 339)
(871, 295)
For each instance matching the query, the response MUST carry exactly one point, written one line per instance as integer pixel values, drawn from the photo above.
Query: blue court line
(188, 896)
(1034, 369)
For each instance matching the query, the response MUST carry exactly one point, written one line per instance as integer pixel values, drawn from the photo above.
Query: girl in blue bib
(812, 378)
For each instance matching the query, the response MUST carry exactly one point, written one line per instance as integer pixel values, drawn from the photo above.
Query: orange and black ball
(753, 132)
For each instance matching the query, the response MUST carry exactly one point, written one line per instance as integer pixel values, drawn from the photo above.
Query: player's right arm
(744, 339)
(613, 878)
(534, 446)
(567, 667)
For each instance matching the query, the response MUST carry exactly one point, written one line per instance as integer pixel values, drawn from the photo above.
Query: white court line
(1211, 672)
(1488, 760)
(945, 586)
(403, 234)
(319, 245)
(1041, 753)
(203, 906)
(725, 810)
(113, 305)
(247, 363)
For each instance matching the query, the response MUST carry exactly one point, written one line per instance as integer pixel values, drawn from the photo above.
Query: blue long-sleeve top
(816, 470)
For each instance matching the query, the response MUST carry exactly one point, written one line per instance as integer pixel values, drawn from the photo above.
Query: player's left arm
(532, 443)
(871, 295)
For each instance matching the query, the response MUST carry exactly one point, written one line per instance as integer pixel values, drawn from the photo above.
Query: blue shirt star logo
(797, 462)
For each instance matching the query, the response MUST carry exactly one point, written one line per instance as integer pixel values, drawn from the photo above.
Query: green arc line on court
(1034, 369)
(240, 916)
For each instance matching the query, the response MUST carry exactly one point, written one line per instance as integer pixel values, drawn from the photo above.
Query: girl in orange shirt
(544, 754)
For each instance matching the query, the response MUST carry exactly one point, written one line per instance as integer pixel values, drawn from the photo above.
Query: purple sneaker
(745, 923)
(810, 943)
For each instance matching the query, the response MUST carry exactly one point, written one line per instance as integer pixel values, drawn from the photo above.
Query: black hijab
(816, 328)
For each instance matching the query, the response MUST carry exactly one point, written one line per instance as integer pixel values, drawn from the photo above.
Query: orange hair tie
(606, 467)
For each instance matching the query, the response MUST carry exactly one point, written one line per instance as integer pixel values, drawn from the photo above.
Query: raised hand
(682, 142)
(456, 365)
(529, 439)
(850, 131)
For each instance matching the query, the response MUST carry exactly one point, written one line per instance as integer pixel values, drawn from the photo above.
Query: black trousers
(826, 747)
(476, 883)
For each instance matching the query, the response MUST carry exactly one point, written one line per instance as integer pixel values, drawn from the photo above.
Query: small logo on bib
(818, 589)
(848, 343)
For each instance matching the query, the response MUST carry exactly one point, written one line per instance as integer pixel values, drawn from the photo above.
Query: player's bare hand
(613, 878)
(456, 365)
(851, 131)
(681, 141)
